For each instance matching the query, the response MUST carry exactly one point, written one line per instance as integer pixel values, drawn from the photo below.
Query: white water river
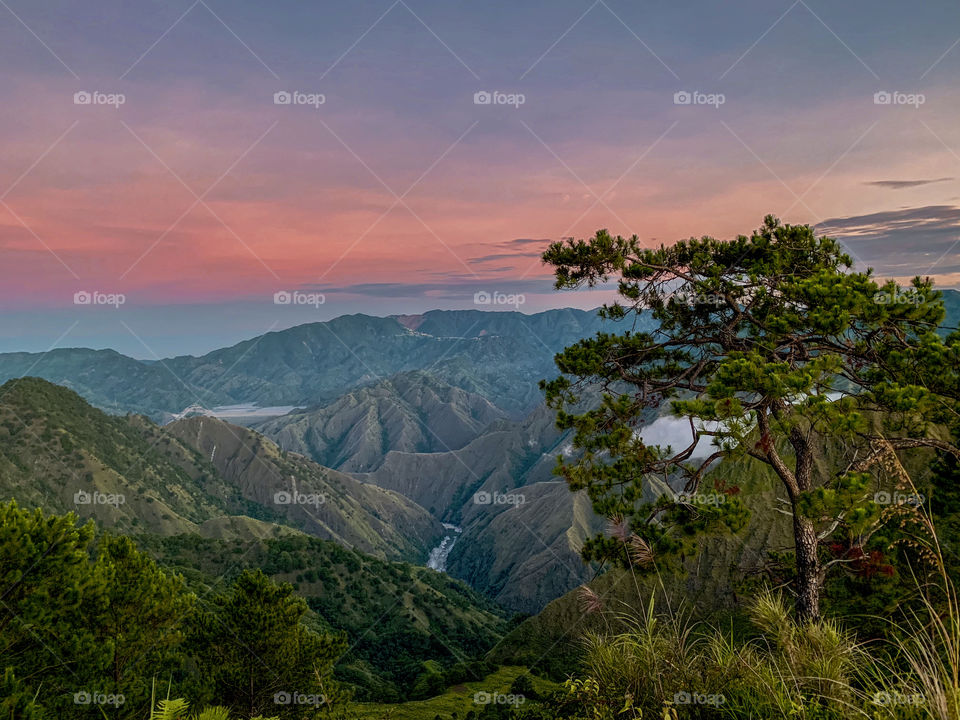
(438, 556)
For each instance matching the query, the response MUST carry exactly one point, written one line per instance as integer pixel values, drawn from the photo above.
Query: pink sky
(100, 198)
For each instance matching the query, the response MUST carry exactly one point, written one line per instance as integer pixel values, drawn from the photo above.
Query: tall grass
(667, 666)
(923, 673)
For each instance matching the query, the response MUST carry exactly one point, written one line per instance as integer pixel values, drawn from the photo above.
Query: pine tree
(142, 622)
(262, 657)
(774, 349)
(47, 588)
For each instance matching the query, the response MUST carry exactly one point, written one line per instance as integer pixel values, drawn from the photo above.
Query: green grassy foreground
(457, 700)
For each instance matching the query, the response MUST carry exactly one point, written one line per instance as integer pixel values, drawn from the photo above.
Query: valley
(413, 507)
(399, 431)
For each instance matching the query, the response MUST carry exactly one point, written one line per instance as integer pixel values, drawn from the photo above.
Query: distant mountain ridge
(499, 355)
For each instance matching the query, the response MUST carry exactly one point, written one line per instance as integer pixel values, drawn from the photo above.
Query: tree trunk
(808, 568)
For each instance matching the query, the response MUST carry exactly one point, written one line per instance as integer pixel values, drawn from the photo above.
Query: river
(438, 556)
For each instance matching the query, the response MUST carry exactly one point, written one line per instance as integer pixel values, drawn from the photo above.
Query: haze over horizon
(200, 157)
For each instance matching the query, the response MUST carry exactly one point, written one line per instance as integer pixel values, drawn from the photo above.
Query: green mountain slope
(719, 578)
(302, 494)
(59, 453)
(197, 475)
(395, 615)
(705, 583)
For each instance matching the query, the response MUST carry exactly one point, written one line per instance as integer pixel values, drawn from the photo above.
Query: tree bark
(808, 568)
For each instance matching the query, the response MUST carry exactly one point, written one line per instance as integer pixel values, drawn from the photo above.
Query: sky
(174, 171)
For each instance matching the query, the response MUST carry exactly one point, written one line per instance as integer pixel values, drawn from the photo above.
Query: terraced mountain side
(526, 555)
(507, 455)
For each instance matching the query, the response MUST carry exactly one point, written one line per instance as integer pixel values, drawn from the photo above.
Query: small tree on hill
(771, 347)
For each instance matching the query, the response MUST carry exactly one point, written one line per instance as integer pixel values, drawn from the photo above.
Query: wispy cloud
(902, 243)
(905, 184)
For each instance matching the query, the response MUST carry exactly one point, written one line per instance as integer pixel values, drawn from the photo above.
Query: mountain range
(498, 355)
(400, 424)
